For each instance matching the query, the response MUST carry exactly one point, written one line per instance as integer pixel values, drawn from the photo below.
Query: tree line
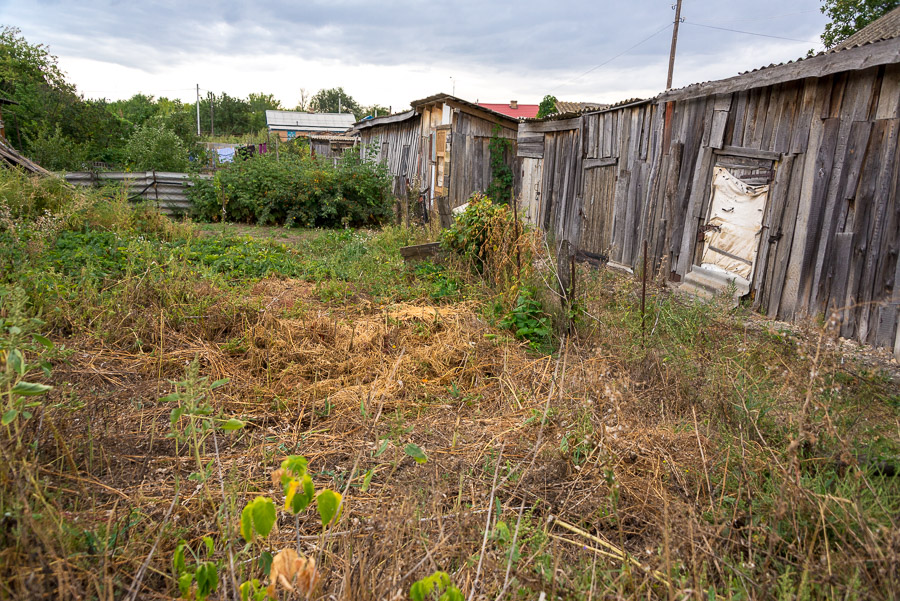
(50, 122)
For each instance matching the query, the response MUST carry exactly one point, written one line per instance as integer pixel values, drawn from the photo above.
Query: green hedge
(297, 190)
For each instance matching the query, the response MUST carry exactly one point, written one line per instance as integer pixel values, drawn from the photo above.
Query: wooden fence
(821, 133)
(168, 190)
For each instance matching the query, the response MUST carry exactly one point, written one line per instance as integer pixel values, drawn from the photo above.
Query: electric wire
(606, 62)
(764, 35)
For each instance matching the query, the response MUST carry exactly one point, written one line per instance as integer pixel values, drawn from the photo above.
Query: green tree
(58, 152)
(30, 76)
(231, 115)
(547, 106)
(259, 104)
(136, 110)
(49, 112)
(849, 16)
(329, 101)
(152, 147)
(376, 110)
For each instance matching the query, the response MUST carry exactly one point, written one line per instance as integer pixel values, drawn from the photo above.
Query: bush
(296, 190)
(57, 152)
(487, 234)
(155, 148)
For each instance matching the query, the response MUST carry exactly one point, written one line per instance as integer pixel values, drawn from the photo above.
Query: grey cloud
(528, 36)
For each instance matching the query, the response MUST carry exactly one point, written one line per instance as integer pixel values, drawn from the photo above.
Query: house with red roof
(513, 109)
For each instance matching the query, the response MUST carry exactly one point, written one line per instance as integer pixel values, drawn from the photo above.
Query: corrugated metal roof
(309, 121)
(589, 110)
(335, 138)
(885, 28)
(385, 120)
(563, 106)
(888, 26)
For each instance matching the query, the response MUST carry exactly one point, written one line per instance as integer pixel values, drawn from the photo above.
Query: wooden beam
(592, 163)
(853, 59)
(750, 153)
(559, 125)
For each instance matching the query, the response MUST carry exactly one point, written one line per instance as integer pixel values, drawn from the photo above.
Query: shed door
(531, 189)
(598, 201)
(731, 237)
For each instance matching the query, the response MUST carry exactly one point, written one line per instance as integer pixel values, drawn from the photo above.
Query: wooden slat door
(597, 208)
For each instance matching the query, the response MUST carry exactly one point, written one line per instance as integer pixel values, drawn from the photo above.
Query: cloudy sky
(393, 51)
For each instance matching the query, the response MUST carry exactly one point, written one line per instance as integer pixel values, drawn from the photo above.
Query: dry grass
(620, 471)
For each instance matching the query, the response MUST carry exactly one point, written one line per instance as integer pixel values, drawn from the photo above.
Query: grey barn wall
(470, 155)
(608, 180)
(397, 146)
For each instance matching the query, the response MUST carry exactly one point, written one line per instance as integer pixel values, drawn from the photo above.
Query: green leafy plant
(501, 186)
(487, 234)
(153, 147)
(297, 190)
(258, 518)
(194, 417)
(528, 320)
(18, 340)
(437, 587)
(414, 451)
(199, 579)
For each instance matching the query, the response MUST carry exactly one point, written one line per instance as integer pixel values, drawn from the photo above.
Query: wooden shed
(394, 141)
(455, 139)
(331, 146)
(807, 150)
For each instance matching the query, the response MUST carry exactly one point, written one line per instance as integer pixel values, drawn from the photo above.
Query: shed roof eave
(852, 59)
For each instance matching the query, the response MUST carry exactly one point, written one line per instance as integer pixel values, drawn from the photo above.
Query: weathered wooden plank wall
(397, 146)
(827, 146)
(470, 163)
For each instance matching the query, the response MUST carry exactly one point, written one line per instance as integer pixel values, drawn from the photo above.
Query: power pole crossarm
(674, 44)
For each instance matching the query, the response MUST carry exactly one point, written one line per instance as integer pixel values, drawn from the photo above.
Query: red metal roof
(522, 111)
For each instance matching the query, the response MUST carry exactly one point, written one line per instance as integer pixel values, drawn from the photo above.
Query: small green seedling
(416, 453)
(328, 503)
(18, 392)
(252, 590)
(297, 484)
(437, 587)
(258, 517)
(205, 574)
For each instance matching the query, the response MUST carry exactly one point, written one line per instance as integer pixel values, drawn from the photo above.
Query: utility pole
(212, 127)
(677, 8)
(198, 110)
(339, 102)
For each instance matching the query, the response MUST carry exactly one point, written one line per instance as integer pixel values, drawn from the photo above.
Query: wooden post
(644, 297)
(563, 271)
(674, 44)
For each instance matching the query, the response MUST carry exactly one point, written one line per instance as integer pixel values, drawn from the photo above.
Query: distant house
(296, 124)
(513, 109)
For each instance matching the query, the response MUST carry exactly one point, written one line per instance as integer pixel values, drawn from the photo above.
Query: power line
(764, 35)
(624, 52)
(769, 18)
